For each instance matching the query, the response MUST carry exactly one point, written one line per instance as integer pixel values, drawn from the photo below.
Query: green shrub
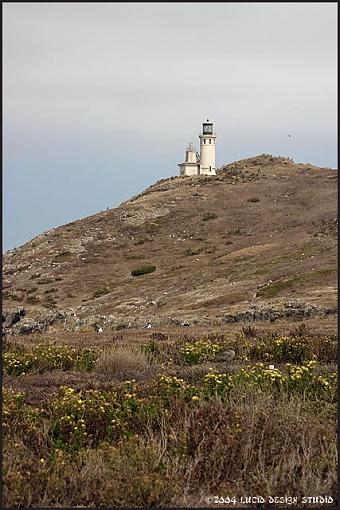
(101, 291)
(139, 271)
(209, 216)
(190, 252)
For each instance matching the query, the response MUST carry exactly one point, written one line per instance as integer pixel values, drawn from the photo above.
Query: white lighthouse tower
(208, 149)
(205, 162)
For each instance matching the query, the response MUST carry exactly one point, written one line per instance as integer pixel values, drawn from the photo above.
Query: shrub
(63, 257)
(157, 335)
(31, 290)
(209, 216)
(45, 281)
(249, 332)
(253, 199)
(190, 252)
(200, 351)
(216, 384)
(290, 349)
(78, 420)
(46, 357)
(32, 300)
(101, 291)
(295, 348)
(193, 374)
(300, 379)
(34, 276)
(139, 271)
(174, 442)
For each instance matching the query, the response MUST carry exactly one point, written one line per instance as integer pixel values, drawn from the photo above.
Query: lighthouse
(208, 149)
(205, 162)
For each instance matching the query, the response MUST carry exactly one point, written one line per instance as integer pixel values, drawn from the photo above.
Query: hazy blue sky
(100, 100)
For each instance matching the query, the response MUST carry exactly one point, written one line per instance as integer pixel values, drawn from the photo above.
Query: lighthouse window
(204, 140)
(209, 140)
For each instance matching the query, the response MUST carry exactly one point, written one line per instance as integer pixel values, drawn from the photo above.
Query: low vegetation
(102, 290)
(275, 288)
(190, 252)
(209, 216)
(64, 256)
(123, 362)
(139, 271)
(45, 357)
(145, 439)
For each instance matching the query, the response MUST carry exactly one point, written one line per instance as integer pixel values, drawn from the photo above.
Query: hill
(241, 401)
(256, 242)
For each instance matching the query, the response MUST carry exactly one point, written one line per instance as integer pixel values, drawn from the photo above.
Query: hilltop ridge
(260, 235)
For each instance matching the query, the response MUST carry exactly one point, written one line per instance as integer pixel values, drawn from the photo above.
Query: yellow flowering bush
(304, 379)
(17, 416)
(292, 379)
(200, 351)
(12, 406)
(293, 348)
(301, 379)
(171, 385)
(281, 349)
(129, 399)
(259, 377)
(48, 357)
(80, 419)
(216, 384)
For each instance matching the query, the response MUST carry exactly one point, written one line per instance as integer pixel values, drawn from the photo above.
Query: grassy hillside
(263, 230)
(117, 390)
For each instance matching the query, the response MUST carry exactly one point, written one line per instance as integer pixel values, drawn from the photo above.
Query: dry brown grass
(257, 445)
(193, 373)
(124, 362)
(296, 203)
(260, 445)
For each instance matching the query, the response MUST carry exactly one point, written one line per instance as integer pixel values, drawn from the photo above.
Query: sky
(101, 99)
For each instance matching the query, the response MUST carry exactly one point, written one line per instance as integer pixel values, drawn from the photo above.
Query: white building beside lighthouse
(205, 162)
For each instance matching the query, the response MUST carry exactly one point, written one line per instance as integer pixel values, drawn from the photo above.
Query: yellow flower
(195, 397)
